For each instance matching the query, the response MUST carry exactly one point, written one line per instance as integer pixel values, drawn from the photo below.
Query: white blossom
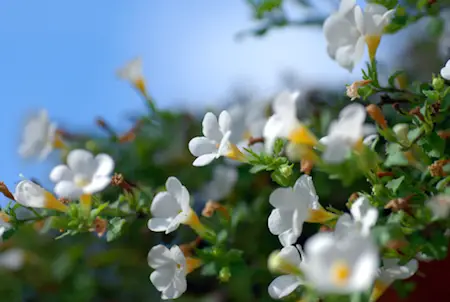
(439, 206)
(38, 136)
(390, 272)
(344, 133)
(30, 194)
(12, 259)
(288, 262)
(340, 265)
(350, 28)
(445, 71)
(171, 208)
(293, 207)
(170, 272)
(215, 142)
(363, 217)
(84, 174)
(222, 183)
(284, 119)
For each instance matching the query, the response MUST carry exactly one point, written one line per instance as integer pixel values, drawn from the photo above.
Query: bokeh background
(63, 56)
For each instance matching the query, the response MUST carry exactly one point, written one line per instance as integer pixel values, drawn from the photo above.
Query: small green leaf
(395, 184)
(115, 228)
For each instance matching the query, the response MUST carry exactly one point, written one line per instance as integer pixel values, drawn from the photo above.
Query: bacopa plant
(355, 254)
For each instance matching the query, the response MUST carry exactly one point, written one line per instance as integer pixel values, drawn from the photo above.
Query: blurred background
(63, 55)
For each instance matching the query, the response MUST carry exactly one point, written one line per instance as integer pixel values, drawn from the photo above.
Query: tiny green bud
(286, 170)
(225, 274)
(438, 83)
(91, 146)
(377, 189)
(401, 131)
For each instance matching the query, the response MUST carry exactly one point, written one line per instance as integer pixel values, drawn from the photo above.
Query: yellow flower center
(302, 135)
(80, 181)
(372, 43)
(340, 273)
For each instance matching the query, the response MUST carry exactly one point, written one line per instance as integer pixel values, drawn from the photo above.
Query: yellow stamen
(372, 43)
(58, 142)
(378, 290)
(320, 215)
(140, 85)
(52, 203)
(86, 203)
(235, 153)
(192, 264)
(5, 217)
(340, 273)
(302, 135)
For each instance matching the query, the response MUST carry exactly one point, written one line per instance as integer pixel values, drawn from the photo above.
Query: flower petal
(174, 187)
(291, 255)
(201, 145)
(105, 164)
(177, 255)
(287, 238)
(279, 221)
(282, 198)
(164, 205)
(81, 162)
(175, 289)
(162, 277)
(159, 256)
(225, 121)
(336, 151)
(61, 172)
(282, 286)
(204, 160)
(211, 129)
(67, 189)
(360, 207)
(158, 224)
(97, 184)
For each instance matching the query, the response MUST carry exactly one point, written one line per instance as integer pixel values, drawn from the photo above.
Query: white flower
(215, 142)
(288, 262)
(170, 209)
(284, 119)
(38, 136)
(133, 72)
(439, 206)
(84, 174)
(170, 272)
(340, 265)
(12, 259)
(390, 272)
(294, 206)
(445, 71)
(363, 218)
(222, 183)
(348, 30)
(344, 133)
(31, 195)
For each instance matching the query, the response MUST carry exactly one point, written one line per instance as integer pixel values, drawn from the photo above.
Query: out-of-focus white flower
(445, 71)
(340, 265)
(12, 259)
(222, 183)
(391, 271)
(29, 194)
(84, 174)
(170, 272)
(293, 207)
(363, 218)
(39, 136)
(215, 142)
(287, 262)
(133, 72)
(350, 28)
(439, 206)
(344, 134)
(171, 208)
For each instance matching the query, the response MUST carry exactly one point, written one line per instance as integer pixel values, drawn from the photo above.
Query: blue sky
(62, 56)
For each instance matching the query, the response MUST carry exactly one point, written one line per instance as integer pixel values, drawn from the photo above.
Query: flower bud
(377, 115)
(278, 264)
(401, 131)
(225, 274)
(438, 83)
(286, 170)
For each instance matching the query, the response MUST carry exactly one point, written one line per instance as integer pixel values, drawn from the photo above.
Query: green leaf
(395, 156)
(115, 228)
(258, 168)
(209, 269)
(395, 184)
(432, 95)
(95, 212)
(394, 76)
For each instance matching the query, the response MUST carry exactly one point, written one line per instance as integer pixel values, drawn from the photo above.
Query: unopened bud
(401, 131)
(438, 83)
(277, 263)
(286, 170)
(225, 274)
(377, 115)
(5, 191)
